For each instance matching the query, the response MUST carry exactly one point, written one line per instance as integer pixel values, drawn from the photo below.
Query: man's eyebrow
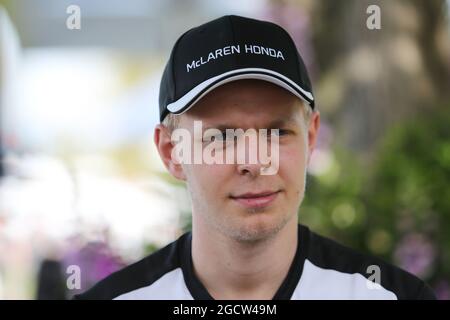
(281, 122)
(274, 124)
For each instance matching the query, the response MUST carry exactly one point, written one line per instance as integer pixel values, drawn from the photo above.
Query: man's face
(235, 199)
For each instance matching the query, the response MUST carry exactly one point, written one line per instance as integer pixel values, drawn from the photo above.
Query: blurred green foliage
(404, 189)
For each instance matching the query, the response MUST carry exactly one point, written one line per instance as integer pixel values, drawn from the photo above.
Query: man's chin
(252, 230)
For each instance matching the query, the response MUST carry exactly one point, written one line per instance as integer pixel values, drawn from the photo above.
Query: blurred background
(80, 179)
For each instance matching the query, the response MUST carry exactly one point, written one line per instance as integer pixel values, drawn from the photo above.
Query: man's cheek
(209, 175)
(292, 161)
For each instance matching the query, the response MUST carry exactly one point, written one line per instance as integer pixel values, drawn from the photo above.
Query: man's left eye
(279, 132)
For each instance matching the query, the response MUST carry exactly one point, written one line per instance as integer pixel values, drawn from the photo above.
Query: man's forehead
(289, 117)
(273, 122)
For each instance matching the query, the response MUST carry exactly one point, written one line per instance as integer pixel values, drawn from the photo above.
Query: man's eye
(279, 132)
(218, 137)
(221, 137)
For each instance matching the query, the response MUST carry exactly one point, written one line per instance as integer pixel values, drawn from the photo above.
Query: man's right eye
(218, 137)
(214, 138)
(223, 136)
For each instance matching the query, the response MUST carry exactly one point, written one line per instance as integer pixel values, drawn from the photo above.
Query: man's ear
(313, 132)
(163, 142)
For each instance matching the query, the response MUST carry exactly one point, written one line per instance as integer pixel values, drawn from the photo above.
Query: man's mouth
(256, 199)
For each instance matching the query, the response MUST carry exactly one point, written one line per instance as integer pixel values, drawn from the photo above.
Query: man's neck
(230, 269)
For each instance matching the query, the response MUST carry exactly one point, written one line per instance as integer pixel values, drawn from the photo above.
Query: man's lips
(256, 200)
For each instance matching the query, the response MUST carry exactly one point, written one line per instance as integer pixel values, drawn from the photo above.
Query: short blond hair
(171, 121)
(307, 112)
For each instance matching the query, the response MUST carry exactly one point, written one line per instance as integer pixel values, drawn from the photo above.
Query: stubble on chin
(251, 232)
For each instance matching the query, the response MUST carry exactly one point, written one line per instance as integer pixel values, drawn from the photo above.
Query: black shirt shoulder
(329, 254)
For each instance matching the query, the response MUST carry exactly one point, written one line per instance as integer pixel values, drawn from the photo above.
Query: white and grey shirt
(321, 269)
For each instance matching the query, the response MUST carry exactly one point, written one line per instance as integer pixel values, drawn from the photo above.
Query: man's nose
(249, 162)
(251, 170)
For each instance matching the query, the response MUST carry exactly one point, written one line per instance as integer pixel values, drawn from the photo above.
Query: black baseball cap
(227, 49)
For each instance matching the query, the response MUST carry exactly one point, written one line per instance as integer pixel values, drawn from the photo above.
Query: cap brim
(189, 99)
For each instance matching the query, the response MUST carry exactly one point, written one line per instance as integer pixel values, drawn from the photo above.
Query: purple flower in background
(96, 261)
(296, 21)
(442, 290)
(415, 253)
(325, 136)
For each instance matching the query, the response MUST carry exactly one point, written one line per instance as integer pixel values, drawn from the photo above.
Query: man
(246, 243)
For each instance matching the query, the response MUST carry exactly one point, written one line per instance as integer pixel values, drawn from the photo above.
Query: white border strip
(184, 100)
